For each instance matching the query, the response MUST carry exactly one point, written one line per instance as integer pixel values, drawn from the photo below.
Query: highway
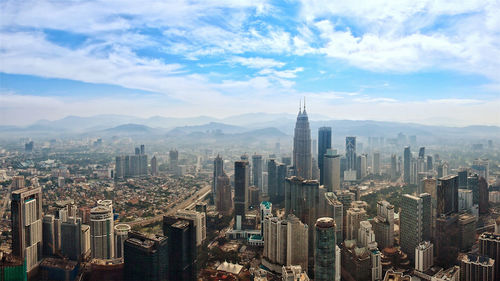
(188, 203)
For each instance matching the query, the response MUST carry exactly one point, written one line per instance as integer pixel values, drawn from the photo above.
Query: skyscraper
(272, 181)
(483, 196)
(333, 208)
(145, 257)
(121, 234)
(376, 163)
(331, 170)
(407, 165)
(350, 153)
(102, 231)
(489, 245)
(447, 195)
(324, 143)
(49, 238)
(26, 216)
(218, 171)
(71, 238)
(257, 171)
(154, 166)
(415, 222)
(324, 252)
(394, 166)
(383, 224)
(241, 200)
(302, 158)
(223, 198)
(424, 256)
(354, 217)
(477, 268)
(182, 252)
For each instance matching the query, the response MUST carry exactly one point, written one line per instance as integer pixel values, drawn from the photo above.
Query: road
(188, 203)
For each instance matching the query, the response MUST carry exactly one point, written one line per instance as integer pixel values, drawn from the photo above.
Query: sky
(422, 61)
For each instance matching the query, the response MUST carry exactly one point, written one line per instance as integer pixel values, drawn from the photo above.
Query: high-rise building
(200, 223)
(26, 216)
(394, 167)
(102, 230)
(464, 199)
(473, 184)
(121, 234)
(415, 222)
(182, 251)
(483, 196)
(447, 195)
(354, 217)
(173, 157)
(302, 157)
(154, 166)
(71, 238)
(383, 225)
(376, 163)
(407, 164)
(467, 231)
(429, 163)
(145, 257)
(218, 171)
(294, 273)
(477, 268)
(18, 182)
(424, 256)
(223, 198)
(241, 200)
(332, 207)
(266, 209)
(462, 178)
(324, 250)
(350, 153)
(281, 179)
(297, 242)
(366, 236)
(272, 181)
(257, 171)
(324, 143)
(489, 245)
(481, 167)
(131, 165)
(331, 170)
(49, 238)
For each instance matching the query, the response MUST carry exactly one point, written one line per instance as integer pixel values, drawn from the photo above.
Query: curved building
(121, 234)
(324, 254)
(102, 232)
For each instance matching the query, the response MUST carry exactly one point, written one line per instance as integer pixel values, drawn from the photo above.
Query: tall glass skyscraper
(324, 143)
(324, 252)
(407, 163)
(350, 153)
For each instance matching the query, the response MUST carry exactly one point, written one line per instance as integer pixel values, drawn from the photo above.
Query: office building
(394, 167)
(354, 217)
(49, 237)
(154, 166)
(121, 234)
(266, 209)
(257, 171)
(241, 200)
(447, 195)
(331, 207)
(489, 245)
(483, 196)
(102, 231)
(145, 257)
(464, 199)
(173, 161)
(218, 171)
(366, 236)
(302, 157)
(477, 268)
(85, 241)
(200, 223)
(331, 170)
(324, 143)
(350, 153)
(415, 222)
(26, 225)
(272, 180)
(376, 163)
(463, 174)
(325, 250)
(127, 166)
(383, 225)
(407, 164)
(481, 167)
(424, 256)
(71, 240)
(182, 251)
(223, 198)
(467, 231)
(282, 174)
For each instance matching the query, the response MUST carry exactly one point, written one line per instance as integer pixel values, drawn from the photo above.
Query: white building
(366, 236)
(200, 223)
(424, 256)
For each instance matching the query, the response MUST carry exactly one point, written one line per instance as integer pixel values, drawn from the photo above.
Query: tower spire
(304, 103)
(300, 106)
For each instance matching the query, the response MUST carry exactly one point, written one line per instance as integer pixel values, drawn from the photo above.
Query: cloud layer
(222, 57)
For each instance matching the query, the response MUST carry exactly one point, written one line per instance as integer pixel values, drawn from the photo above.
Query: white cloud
(257, 62)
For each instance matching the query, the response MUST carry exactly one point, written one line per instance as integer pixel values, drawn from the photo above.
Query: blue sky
(431, 62)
